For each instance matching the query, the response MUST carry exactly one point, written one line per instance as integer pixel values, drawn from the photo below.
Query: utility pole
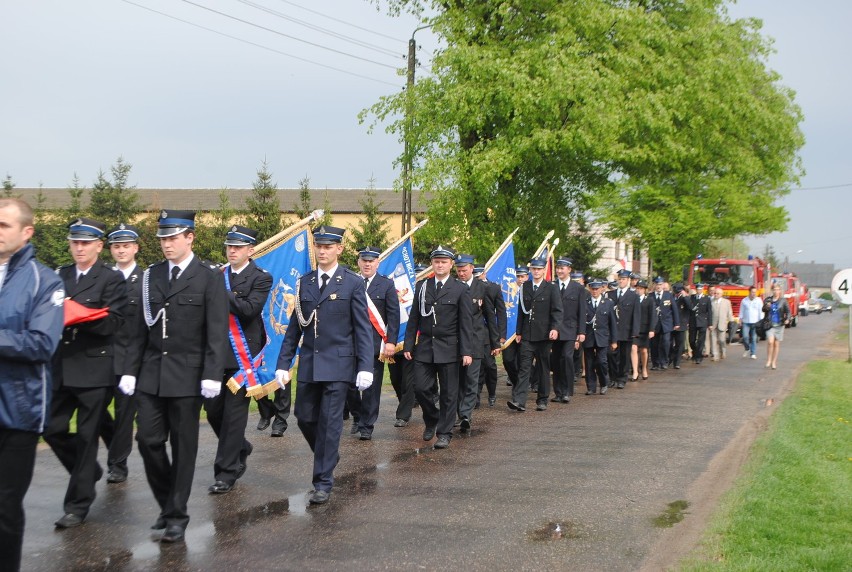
(407, 153)
(408, 160)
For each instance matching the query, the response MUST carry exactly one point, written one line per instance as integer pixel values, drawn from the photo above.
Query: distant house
(345, 206)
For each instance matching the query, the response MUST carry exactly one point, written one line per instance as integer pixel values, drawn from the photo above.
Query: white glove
(210, 388)
(127, 384)
(364, 380)
(282, 376)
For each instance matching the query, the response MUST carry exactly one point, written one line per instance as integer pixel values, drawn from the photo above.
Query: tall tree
(306, 206)
(8, 186)
(264, 208)
(372, 228)
(660, 119)
(114, 201)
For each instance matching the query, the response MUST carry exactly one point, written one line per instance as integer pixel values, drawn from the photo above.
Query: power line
(259, 45)
(288, 35)
(322, 30)
(342, 21)
(822, 188)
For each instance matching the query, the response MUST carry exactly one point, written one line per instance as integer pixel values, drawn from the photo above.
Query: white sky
(85, 81)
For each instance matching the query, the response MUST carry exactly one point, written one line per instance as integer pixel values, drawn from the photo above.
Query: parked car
(814, 305)
(827, 305)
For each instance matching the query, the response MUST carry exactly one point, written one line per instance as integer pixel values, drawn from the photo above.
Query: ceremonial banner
(398, 265)
(503, 272)
(287, 262)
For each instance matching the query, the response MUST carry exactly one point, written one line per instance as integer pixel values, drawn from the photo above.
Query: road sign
(841, 286)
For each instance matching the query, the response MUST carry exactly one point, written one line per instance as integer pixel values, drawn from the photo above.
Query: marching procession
(183, 334)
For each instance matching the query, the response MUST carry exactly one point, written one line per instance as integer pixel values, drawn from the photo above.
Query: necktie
(366, 282)
(618, 296)
(659, 298)
(324, 279)
(79, 275)
(535, 288)
(595, 304)
(231, 277)
(175, 272)
(562, 287)
(438, 285)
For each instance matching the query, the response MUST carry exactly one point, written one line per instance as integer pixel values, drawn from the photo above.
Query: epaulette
(63, 267)
(210, 265)
(157, 263)
(353, 273)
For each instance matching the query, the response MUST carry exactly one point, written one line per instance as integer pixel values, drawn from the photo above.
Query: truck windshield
(716, 273)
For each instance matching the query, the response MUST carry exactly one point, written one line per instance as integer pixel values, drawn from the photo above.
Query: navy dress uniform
(488, 370)
(572, 331)
(511, 353)
(84, 370)
(337, 351)
(683, 309)
(439, 334)
(384, 306)
(121, 441)
(540, 314)
(601, 335)
(247, 289)
(627, 318)
(178, 356)
(668, 321)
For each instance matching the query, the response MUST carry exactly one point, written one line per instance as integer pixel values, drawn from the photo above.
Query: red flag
(76, 313)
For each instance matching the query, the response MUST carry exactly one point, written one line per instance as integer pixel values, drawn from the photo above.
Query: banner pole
(500, 250)
(273, 241)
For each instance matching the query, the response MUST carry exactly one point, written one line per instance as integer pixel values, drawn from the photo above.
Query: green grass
(792, 507)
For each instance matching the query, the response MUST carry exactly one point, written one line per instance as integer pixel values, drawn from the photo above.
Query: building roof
(341, 200)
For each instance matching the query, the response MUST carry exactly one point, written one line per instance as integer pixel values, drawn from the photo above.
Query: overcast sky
(88, 80)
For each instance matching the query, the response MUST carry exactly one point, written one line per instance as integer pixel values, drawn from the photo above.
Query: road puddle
(672, 515)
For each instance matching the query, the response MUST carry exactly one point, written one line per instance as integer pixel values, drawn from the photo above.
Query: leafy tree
(210, 238)
(657, 118)
(114, 201)
(264, 209)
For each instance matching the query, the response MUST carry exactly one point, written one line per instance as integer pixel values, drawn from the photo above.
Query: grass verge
(792, 507)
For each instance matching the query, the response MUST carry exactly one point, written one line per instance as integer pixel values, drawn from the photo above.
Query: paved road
(602, 468)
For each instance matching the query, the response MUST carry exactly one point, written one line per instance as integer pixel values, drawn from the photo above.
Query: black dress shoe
(278, 428)
(173, 533)
(114, 477)
(354, 428)
(263, 424)
(400, 423)
(465, 425)
(159, 524)
(319, 497)
(220, 488)
(515, 406)
(492, 401)
(428, 433)
(277, 432)
(241, 468)
(590, 392)
(655, 368)
(604, 389)
(541, 407)
(443, 442)
(677, 367)
(619, 386)
(556, 400)
(365, 436)
(664, 367)
(70, 521)
(566, 399)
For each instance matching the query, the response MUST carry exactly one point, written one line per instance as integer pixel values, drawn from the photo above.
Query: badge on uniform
(333, 297)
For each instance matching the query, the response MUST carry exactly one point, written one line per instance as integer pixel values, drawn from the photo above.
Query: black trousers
(17, 458)
(78, 452)
(534, 364)
(227, 414)
(364, 405)
(172, 419)
(277, 408)
(619, 365)
(562, 360)
(660, 346)
(319, 412)
(401, 374)
(510, 362)
(678, 344)
(121, 444)
(447, 375)
(468, 388)
(488, 375)
(597, 368)
(696, 343)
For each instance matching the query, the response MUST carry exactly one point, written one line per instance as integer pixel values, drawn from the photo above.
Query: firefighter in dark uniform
(572, 331)
(337, 351)
(539, 315)
(701, 307)
(247, 286)
(601, 338)
(383, 306)
(178, 357)
(511, 353)
(683, 309)
(441, 313)
(488, 370)
(627, 318)
(123, 246)
(84, 367)
(484, 339)
(668, 321)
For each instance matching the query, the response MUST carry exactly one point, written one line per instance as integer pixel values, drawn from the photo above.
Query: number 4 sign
(841, 286)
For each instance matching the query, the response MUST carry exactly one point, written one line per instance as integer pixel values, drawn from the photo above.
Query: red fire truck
(791, 287)
(735, 276)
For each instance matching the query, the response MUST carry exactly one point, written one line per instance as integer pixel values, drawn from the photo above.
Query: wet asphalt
(601, 467)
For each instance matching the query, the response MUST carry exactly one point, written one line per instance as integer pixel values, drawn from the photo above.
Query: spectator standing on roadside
(777, 313)
(31, 318)
(751, 312)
